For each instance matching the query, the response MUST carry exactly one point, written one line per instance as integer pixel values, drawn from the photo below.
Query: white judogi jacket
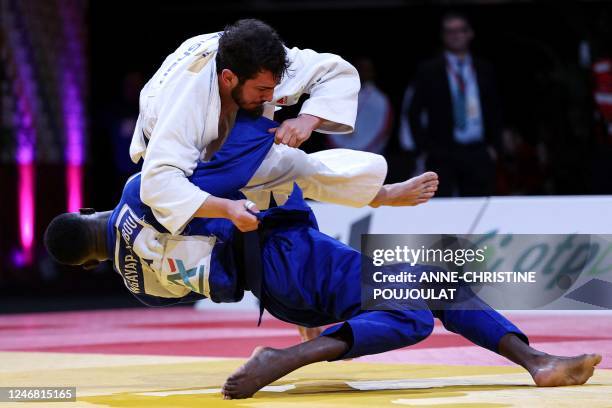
(179, 117)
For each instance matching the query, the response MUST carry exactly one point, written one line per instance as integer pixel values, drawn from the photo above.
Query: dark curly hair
(67, 239)
(250, 46)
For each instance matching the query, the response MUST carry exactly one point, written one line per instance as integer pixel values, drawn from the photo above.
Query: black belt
(252, 266)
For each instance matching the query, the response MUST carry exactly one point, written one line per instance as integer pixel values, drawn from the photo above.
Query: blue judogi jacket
(229, 170)
(299, 274)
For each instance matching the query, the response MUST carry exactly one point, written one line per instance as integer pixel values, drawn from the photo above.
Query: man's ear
(229, 78)
(89, 265)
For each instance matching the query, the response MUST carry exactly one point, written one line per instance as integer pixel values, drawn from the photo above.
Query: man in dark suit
(455, 114)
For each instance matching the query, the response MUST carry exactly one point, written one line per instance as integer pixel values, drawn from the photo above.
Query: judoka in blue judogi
(299, 274)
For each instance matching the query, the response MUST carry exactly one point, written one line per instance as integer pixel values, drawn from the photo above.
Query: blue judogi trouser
(312, 279)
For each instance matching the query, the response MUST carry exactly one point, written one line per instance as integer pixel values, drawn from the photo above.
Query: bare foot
(555, 371)
(309, 333)
(265, 366)
(414, 191)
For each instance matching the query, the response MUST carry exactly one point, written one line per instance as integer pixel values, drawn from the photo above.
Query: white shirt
(179, 116)
(373, 124)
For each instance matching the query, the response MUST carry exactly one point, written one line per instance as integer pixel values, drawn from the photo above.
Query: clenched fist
(294, 132)
(241, 217)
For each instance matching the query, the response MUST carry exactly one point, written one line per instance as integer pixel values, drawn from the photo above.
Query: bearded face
(252, 108)
(251, 94)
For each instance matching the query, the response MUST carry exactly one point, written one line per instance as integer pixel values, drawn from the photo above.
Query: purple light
(26, 211)
(25, 192)
(72, 102)
(24, 155)
(74, 183)
(18, 259)
(31, 60)
(25, 135)
(74, 150)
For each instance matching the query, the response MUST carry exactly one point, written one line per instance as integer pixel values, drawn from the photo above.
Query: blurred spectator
(458, 94)
(374, 115)
(408, 155)
(522, 166)
(601, 183)
(602, 74)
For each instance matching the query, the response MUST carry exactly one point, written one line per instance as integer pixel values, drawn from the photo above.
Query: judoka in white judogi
(179, 118)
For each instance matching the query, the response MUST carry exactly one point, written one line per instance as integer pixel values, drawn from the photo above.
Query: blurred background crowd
(498, 97)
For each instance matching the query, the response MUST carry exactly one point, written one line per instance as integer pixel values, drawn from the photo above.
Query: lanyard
(458, 76)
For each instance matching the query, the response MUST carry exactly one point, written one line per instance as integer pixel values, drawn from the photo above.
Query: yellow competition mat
(160, 381)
